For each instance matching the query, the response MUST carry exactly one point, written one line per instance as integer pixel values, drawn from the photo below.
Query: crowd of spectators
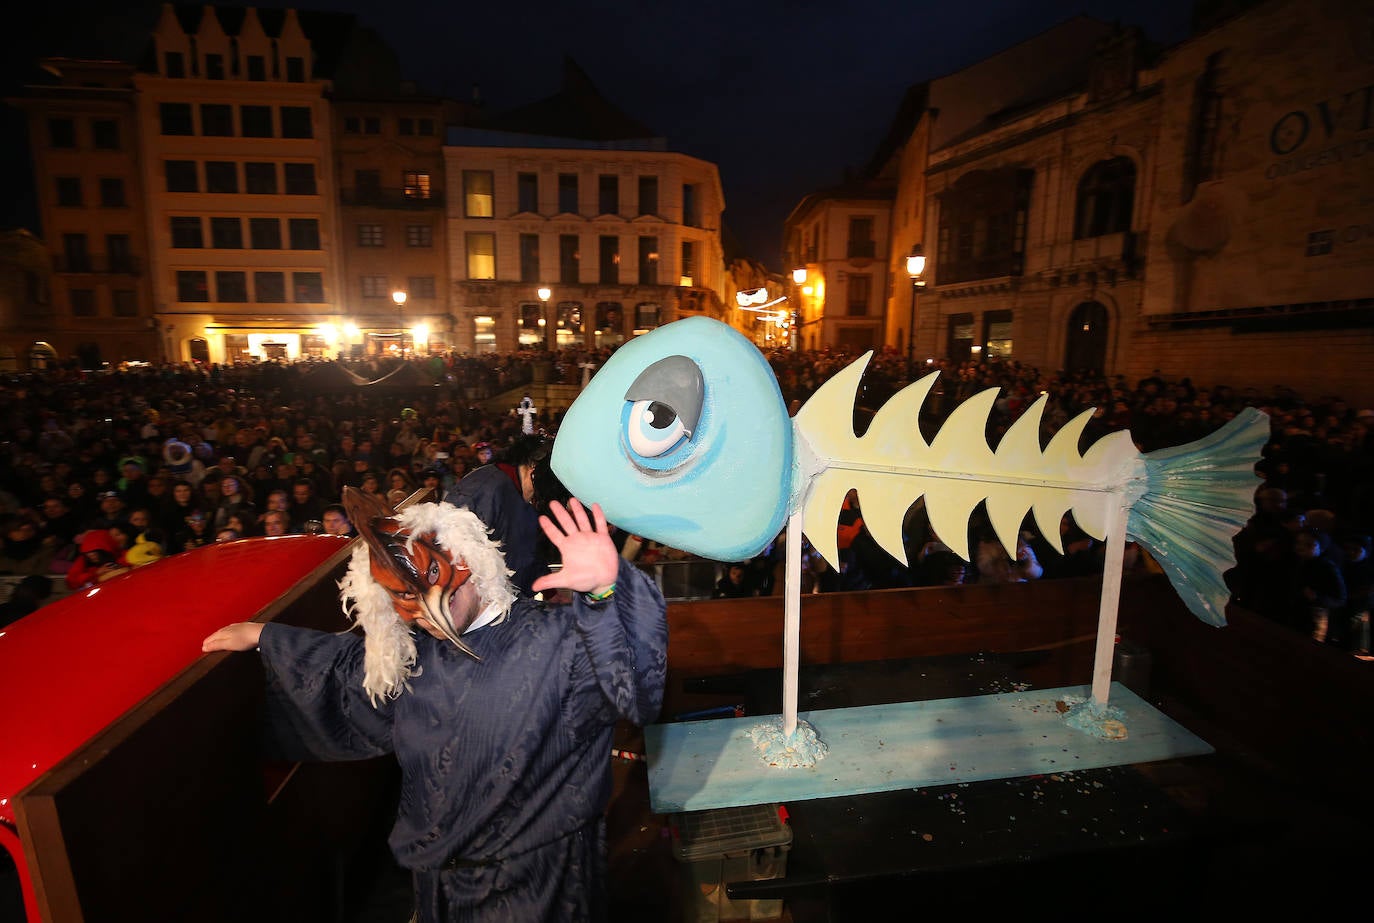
(101, 472)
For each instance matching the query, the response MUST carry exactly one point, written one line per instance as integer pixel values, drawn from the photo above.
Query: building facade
(237, 164)
(95, 301)
(1200, 210)
(569, 243)
(260, 184)
(1260, 265)
(393, 225)
(840, 238)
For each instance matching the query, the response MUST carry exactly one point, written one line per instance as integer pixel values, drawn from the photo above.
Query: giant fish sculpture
(683, 438)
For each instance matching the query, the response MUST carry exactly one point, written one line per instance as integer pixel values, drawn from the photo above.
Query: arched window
(1105, 198)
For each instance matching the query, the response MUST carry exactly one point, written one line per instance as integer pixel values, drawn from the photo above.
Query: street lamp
(915, 266)
(545, 293)
(399, 297)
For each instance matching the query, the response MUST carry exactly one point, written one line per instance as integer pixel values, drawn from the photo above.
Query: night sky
(784, 95)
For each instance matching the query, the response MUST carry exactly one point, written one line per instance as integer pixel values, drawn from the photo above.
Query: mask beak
(437, 604)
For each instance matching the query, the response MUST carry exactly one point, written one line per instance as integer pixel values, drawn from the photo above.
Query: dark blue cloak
(490, 493)
(505, 763)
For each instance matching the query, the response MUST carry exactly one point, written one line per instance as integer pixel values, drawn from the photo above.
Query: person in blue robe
(504, 736)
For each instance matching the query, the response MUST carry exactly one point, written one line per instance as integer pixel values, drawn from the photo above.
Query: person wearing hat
(194, 533)
(133, 484)
(110, 510)
(97, 561)
(500, 710)
(432, 480)
(494, 496)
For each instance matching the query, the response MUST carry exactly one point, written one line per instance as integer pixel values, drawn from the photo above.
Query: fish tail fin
(1197, 497)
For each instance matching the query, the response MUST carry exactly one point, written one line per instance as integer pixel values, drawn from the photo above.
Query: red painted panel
(70, 669)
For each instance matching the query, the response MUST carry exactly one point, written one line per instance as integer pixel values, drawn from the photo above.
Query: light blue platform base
(701, 765)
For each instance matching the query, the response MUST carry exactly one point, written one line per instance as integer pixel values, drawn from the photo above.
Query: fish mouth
(657, 522)
(438, 606)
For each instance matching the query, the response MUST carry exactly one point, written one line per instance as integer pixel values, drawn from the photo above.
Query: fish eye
(654, 428)
(665, 405)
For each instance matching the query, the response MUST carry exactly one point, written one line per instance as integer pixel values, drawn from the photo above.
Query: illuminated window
(478, 198)
(484, 334)
(610, 260)
(648, 261)
(481, 255)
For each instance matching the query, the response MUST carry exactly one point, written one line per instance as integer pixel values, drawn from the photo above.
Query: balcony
(407, 198)
(97, 264)
(862, 250)
(973, 269)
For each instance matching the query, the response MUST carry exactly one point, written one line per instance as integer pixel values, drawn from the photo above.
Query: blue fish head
(683, 438)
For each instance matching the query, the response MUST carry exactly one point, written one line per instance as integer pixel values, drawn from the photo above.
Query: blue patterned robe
(505, 764)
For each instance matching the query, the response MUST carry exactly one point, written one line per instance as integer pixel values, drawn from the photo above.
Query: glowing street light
(915, 267)
(399, 297)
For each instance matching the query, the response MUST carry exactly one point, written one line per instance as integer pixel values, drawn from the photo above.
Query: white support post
(791, 627)
(1108, 606)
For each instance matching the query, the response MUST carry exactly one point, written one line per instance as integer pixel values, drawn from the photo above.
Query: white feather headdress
(389, 646)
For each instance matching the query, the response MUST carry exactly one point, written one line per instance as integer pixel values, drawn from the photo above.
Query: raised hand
(590, 561)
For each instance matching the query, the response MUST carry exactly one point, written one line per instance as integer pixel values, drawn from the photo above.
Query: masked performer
(500, 710)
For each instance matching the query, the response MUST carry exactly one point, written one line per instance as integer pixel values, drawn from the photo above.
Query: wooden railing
(174, 802)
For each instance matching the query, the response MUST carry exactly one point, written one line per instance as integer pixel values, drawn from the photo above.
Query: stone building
(839, 237)
(389, 151)
(1089, 201)
(1019, 183)
(1259, 269)
(237, 164)
(251, 184)
(83, 128)
(571, 225)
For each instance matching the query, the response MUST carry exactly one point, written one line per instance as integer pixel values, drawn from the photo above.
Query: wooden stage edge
(701, 765)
